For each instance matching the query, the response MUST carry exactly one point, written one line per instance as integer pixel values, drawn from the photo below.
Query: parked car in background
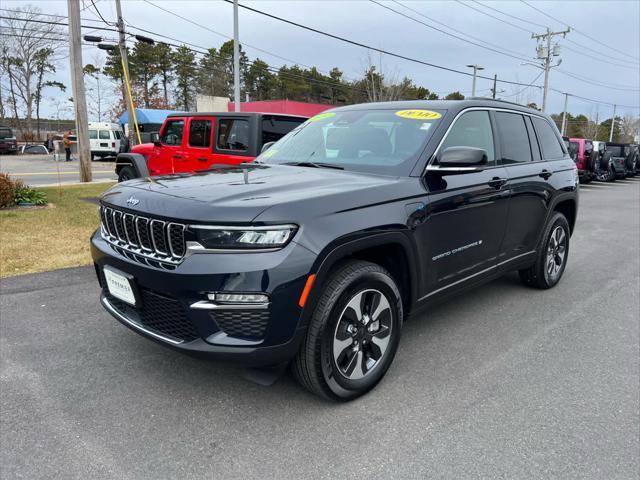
(8, 143)
(106, 139)
(602, 164)
(189, 142)
(584, 159)
(33, 149)
(636, 150)
(316, 253)
(572, 148)
(619, 158)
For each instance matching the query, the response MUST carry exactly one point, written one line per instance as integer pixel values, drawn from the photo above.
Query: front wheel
(552, 257)
(126, 173)
(353, 334)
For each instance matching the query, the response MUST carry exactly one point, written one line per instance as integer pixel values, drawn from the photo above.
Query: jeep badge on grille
(133, 201)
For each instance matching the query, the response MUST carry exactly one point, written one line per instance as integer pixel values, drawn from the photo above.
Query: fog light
(238, 297)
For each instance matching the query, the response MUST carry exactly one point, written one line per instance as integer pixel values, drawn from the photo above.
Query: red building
(282, 106)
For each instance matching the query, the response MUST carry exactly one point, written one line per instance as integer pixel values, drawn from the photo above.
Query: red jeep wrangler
(188, 142)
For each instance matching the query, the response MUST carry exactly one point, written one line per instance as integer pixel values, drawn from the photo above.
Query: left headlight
(244, 238)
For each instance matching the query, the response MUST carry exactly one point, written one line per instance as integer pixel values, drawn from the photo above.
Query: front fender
(136, 160)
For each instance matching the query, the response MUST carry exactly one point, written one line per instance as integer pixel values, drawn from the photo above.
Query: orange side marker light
(306, 290)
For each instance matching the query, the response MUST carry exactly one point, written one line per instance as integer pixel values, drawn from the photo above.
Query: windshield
(615, 151)
(374, 141)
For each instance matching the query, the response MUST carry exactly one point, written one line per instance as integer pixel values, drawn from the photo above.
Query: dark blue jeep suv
(317, 252)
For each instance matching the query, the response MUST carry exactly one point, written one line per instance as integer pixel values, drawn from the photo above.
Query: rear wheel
(127, 173)
(552, 255)
(353, 335)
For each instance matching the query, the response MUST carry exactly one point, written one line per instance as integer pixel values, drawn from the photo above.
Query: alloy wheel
(556, 252)
(362, 334)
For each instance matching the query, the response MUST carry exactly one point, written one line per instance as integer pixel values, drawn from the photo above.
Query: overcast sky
(614, 23)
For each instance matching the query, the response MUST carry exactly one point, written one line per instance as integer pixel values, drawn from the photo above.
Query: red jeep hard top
(585, 147)
(188, 142)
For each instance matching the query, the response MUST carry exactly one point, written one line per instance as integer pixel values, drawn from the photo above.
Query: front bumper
(240, 334)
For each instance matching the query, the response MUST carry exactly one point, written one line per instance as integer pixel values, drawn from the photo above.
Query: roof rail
(497, 100)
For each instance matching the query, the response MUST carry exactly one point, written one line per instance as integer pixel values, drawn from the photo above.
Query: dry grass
(36, 240)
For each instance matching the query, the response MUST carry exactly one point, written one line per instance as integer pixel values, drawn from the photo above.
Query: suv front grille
(146, 240)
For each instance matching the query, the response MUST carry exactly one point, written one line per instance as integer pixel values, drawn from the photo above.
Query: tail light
(113, 144)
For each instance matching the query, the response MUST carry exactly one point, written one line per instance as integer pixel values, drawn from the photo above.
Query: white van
(105, 139)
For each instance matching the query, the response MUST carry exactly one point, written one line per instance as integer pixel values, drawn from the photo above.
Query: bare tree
(381, 86)
(96, 99)
(30, 51)
(629, 128)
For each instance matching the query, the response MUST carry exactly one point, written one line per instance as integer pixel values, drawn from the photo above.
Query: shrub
(7, 190)
(29, 195)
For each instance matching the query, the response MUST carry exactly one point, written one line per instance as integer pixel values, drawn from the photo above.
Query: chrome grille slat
(143, 239)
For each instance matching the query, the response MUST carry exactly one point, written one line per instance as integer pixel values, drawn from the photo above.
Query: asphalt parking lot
(41, 170)
(502, 382)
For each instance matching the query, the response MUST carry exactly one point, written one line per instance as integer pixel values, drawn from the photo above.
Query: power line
(447, 33)
(532, 84)
(596, 58)
(509, 15)
(455, 30)
(494, 17)
(368, 47)
(578, 31)
(98, 12)
(624, 88)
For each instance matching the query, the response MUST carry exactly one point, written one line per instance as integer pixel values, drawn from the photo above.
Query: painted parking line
(30, 174)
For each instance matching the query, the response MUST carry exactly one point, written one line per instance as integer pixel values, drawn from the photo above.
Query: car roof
(453, 106)
(234, 114)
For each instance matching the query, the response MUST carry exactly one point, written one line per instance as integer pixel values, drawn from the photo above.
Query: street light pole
(236, 58)
(77, 82)
(125, 70)
(564, 114)
(476, 68)
(613, 122)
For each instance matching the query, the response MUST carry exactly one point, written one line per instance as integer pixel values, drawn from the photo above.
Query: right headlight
(244, 238)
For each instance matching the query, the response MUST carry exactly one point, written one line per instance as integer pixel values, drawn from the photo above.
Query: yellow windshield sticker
(419, 114)
(322, 116)
(269, 153)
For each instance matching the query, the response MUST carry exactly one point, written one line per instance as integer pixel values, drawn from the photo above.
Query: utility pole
(613, 122)
(236, 58)
(77, 82)
(125, 67)
(546, 54)
(495, 86)
(564, 114)
(476, 69)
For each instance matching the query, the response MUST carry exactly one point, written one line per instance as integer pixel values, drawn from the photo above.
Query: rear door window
(233, 134)
(104, 135)
(551, 146)
(514, 139)
(472, 129)
(93, 134)
(172, 133)
(200, 133)
(274, 128)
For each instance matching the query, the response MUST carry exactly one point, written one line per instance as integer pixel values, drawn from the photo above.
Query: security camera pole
(125, 66)
(77, 82)
(547, 57)
(476, 68)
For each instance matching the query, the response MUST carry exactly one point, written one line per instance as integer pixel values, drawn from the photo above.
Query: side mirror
(456, 160)
(155, 139)
(266, 146)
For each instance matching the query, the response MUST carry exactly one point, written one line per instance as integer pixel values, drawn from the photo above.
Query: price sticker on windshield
(322, 116)
(419, 114)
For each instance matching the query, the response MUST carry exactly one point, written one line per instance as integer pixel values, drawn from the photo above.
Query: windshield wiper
(315, 165)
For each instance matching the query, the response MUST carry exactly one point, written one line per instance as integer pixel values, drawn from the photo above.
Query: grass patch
(37, 240)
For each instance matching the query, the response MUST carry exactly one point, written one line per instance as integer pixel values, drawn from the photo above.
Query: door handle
(497, 182)
(545, 174)
(203, 159)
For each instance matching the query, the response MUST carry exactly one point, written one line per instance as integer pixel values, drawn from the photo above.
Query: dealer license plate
(119, 286)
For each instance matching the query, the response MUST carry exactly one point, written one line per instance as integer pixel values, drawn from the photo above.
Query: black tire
(317, 366)
(539, 274)
(127, 173)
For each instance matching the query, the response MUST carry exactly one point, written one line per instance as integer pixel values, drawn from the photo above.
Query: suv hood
(238, 194)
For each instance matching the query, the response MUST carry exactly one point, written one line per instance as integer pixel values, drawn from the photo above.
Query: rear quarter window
(549, 141)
